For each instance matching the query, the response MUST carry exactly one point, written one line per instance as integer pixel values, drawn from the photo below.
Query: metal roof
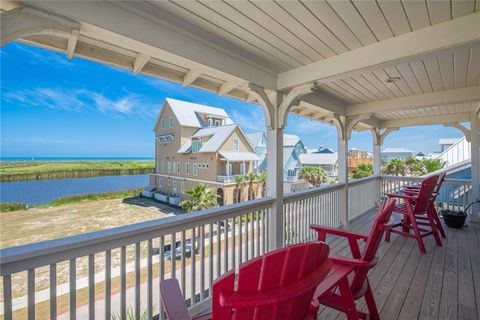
(318, 158)
(240, 156)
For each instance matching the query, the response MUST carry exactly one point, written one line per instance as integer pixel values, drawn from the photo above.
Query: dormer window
(163, 123)
(236, 144)
(196, 145)
(170, 122)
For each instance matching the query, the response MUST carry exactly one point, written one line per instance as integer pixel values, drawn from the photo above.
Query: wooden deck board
(442, 284)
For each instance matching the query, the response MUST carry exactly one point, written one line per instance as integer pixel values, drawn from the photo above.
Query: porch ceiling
(349, 49)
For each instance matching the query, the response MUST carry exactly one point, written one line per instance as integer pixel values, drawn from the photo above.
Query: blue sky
(53, 107)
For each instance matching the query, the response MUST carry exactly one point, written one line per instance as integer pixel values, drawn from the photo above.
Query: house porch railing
(81, 275)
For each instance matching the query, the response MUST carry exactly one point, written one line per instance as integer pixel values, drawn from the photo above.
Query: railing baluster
(149, 279)
(193, 265)
(108, 284)
(202, 262)
(252, 238)
(73, 288)
(240, 240)
(31, 293)
(7, 297)
(219, 250)
(257, 241)
(123, 283)
(183, 265)
(210, 259)
(247, 238)
(53, 291)
(137, 280)
(234, 248)
(161, 271)
(173, 255)
(91, 286)
(225, 247)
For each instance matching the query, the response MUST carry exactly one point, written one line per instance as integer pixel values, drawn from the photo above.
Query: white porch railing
(132, 259)
(458, 152)
(79, 276)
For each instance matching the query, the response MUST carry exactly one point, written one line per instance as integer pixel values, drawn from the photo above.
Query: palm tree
(313, 175)
(262, 177)
(237, 192)
(414, 166)
(250, 178)
(395, 167)
(363, 170)
(433, 165)
(201, 198)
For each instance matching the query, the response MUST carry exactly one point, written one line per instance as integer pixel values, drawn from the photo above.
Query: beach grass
(33, 170)
(12, 206)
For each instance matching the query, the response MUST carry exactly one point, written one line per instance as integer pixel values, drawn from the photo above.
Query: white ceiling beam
(422, 121)
(72, 44)
(440, 98)
(444, 35)
(324, 102)
(226, 88)
(140, 62)
(190, 76)
(144, 27)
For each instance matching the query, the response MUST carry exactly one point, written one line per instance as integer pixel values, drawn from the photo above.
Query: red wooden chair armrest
(401, 196)
(252, 299)
(173, 300)
(353, 262)
(338, 232)
(338, 272)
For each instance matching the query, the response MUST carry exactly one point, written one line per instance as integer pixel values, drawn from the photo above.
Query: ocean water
(37, 192)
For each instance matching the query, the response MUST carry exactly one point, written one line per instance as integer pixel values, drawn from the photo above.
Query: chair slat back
(425, 195)
(441, 178)
(374, 239)
(272, 271)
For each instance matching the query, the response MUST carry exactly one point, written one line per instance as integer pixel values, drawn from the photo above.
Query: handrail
(362, 180)
(38, 254)
(303, 194)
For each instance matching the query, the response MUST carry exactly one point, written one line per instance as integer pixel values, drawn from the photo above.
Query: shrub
(12, 206)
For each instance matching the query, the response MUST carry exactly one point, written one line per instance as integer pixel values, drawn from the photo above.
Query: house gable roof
(188, 113)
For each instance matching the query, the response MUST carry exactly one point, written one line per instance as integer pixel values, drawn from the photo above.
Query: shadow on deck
(442, 284)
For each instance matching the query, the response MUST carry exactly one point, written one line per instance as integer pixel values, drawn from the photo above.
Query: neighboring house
(196, 143)
(292, 148)
(357, 157)
(392, 153)
(446, 143)
(322, 149)
(326, 161)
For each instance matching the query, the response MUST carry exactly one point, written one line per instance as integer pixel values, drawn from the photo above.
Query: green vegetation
(363, 170)
(95, 197)
(201, 198)
(313, 175)
(12, 206)
(32, 170)
(411, 166)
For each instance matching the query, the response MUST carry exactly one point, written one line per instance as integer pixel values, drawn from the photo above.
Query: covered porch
(386, 66)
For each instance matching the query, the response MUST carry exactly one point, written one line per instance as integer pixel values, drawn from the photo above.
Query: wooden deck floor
(442, 284)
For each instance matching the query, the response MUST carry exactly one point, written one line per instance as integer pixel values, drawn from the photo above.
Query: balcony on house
(376, 67)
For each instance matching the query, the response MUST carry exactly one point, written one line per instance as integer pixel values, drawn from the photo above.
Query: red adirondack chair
(361, 263)
(278, 285)
(413, 190)
(416, 217)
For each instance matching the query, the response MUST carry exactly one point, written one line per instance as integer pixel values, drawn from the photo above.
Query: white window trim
(195, 169)
(169, 167)
(163, 166)
(187, 168)
(182, 186)
(163, 123)
(170, 122)
(174, 187)
(178, 167)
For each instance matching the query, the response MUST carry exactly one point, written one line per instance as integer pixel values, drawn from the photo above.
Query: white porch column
(276, 227)
(228, 169)
(475, 161)
(343, 178)
(377, 166)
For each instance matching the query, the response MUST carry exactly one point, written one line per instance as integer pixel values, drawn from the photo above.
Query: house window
(209, 122)
(174, 187)
(236, 144)
(168, 183)
(242, 168)
(182, 186)
(206, 165)
(163, 166)
(195, 169)
(169, 167)
(160, 183)
(187, 168)
(174, 167)
(170, 122)
(163, 123)
(178, 167)
(196, 145)
(217, 123)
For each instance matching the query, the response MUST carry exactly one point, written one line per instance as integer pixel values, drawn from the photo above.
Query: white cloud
(253, 120)
(81, 99)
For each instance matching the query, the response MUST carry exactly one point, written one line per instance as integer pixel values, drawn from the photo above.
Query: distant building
(357, 157)
(196, 143)
(326, 161)
(392, 153)
(322, 149)
(446, 143)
